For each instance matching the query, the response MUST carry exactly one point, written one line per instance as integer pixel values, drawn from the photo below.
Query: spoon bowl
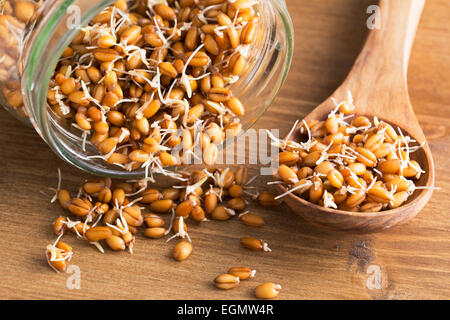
(367, 222)
(378, 85)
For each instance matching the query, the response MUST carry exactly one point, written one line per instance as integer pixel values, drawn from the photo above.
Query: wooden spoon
(378, 84)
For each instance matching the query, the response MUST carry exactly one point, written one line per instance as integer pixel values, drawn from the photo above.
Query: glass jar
(35, 36)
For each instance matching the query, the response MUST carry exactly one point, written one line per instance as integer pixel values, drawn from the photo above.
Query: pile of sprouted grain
(349, 162)
(145, 77)
(14, 15)
(112, 212)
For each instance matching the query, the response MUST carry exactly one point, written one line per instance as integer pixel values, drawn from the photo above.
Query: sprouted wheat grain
(349, 162)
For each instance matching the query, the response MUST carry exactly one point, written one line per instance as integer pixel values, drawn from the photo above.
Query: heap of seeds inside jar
(14, 15)
(112, 212)
(350, 162)
(142, 79)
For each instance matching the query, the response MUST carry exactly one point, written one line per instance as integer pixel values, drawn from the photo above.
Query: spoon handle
(388, 45)
(378, 77)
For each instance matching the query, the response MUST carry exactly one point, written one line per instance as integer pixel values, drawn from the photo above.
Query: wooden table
(411, 261)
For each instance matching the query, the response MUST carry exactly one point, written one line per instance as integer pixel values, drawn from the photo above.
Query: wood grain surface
(413, 260)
